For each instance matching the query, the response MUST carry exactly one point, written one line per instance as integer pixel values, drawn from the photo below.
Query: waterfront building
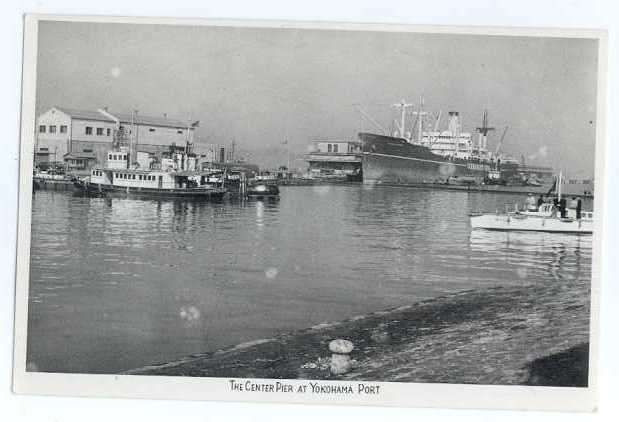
(334, 158)
(79, 162)
(61, 131)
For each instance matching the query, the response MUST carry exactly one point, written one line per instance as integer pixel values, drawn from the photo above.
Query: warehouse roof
(85, 114)
(125, 118)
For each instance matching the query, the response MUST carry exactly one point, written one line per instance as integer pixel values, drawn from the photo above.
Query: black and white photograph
(319, 212)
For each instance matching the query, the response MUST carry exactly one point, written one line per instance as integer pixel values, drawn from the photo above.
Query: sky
(262, 86)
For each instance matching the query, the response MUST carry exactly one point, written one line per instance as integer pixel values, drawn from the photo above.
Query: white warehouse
(60, 131)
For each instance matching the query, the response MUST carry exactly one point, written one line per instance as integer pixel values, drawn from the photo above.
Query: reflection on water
(536, 254)
(121, 283)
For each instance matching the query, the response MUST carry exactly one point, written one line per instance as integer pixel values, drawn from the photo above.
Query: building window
(108, 131)
(63, 128)
(133, 177)
(43, 149)
(99, 131)
(328, 147)
(124, 156)
(52, 129)
(334, 147)
(109, 157)
(140, 177)
(87, 150)
(42, 129)
(180, 132)
(88, 130)
(151, 129)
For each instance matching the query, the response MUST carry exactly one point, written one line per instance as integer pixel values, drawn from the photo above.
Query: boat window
(109, 157)
(124, 156)
(133, 177)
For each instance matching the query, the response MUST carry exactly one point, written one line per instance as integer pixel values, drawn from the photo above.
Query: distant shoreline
(522, 335)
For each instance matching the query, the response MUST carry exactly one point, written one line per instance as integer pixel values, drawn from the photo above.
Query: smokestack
(454, 123)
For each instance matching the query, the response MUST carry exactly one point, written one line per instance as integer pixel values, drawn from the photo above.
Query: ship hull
(196, 193)
(390, 160)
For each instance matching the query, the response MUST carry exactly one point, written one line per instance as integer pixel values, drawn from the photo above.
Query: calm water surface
(121, 283)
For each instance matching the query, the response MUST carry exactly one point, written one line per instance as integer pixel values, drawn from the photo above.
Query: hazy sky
(261, 86)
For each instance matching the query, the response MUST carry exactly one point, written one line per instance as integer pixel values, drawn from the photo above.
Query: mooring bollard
(340, 361)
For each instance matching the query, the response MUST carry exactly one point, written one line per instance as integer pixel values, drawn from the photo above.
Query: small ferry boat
(548, 217)
(174, 176)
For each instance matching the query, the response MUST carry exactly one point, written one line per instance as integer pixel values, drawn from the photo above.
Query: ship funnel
(454, 122)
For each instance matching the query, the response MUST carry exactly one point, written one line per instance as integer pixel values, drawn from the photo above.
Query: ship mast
(483, 132)
(420, 113)
(131, 135)
(402, 106)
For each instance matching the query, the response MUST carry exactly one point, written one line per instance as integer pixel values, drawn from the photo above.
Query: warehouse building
(64, 134)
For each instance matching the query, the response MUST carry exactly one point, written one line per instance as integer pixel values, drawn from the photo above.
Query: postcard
(303, 212)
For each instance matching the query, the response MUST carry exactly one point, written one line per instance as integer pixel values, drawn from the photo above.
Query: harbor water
(121, 283)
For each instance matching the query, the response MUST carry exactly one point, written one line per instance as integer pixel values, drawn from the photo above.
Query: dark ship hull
(391, 160)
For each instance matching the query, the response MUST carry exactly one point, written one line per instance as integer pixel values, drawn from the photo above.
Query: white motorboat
(545, 219)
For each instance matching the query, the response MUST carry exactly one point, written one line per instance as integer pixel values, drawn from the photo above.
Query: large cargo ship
(451, 156)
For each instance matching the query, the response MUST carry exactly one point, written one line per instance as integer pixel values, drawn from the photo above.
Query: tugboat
(548, 217)
(172, 176)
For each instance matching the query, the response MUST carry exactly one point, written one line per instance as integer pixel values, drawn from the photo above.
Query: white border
(394, 394)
